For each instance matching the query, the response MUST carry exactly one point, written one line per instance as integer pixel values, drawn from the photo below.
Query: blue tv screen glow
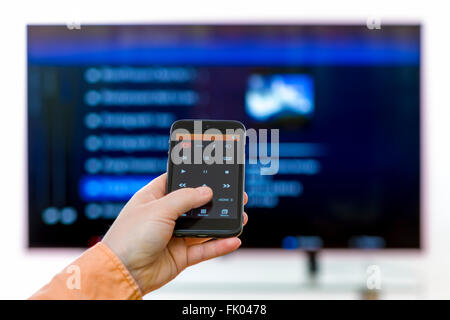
(345, 98)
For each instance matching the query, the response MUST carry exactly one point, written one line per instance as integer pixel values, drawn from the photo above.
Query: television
(345, 99)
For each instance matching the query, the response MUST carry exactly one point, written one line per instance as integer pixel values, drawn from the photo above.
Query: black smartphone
(209, 153)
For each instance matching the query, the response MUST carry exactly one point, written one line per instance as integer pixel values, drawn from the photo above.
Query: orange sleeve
(96, 274)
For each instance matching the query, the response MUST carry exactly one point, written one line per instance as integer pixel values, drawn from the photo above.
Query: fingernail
(204, 191)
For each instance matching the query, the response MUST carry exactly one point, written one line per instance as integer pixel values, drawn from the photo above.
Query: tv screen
(345, 98)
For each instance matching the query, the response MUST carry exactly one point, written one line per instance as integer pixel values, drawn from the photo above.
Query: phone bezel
(207, 227)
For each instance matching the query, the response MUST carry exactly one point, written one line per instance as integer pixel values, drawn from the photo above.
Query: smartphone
(209, 153)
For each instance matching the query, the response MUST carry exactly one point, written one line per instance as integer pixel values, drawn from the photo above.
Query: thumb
(182, 200)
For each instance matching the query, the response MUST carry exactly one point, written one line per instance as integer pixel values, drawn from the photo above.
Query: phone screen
(213, 160)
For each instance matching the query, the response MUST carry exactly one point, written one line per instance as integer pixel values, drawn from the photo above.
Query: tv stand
(312, 269)
(312, 265)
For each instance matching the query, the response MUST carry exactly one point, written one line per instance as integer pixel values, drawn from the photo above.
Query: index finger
(153, 190)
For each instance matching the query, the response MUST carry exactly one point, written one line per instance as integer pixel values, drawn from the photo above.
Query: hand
(141, 236)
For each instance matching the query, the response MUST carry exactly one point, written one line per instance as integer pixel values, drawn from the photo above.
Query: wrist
(127, 276)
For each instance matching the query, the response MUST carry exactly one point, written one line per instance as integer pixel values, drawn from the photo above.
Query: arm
(96, 274)
(138, 253)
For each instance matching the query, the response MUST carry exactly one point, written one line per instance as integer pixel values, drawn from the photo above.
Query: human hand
(141, 236)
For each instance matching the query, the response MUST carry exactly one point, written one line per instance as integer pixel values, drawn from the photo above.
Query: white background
(260, 274)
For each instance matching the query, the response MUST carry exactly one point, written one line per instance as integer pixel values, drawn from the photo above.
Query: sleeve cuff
(97, 274)
(135, 292)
